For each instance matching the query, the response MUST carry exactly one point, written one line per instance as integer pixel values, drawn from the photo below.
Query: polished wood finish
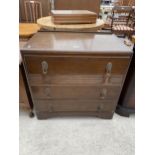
(75, 73)
(26, 30)
(46, 23)
(73, 17)
(77, 43)
(90, 5)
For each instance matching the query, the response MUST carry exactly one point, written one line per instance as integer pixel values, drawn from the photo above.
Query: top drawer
(62, 65)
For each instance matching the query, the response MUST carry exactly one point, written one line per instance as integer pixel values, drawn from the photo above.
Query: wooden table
(26, 30)
(46, 23)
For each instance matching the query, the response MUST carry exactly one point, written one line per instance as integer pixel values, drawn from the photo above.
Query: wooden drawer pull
(44, 67)
(51, 108)
(103, 93)
(109, 68)
(108, 72)
(100, 107)
(47, 92)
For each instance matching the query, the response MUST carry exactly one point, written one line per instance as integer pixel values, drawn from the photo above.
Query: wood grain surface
(26, 30)
(65, 80)
(46, 23)
(75, 43)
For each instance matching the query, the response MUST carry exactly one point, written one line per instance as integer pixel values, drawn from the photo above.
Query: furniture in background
(27, 30)
(90, 5)
(46, 23)
(131, 3)
(118, 3)
(75, 73)
(33, 10)
(106, 11)
(133, 39)
(126, 104)
(120, 21)
(106, 2)
(45, 9)
(123, 3)
(73, 17)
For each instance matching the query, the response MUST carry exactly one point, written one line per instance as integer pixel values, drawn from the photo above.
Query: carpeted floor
(76, 135)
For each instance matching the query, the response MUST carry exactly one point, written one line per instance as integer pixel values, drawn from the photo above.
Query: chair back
(131, 3)
(121, 15)
(33, 10)
(124, 3)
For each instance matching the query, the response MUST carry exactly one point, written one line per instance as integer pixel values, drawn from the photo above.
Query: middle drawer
(73, 92)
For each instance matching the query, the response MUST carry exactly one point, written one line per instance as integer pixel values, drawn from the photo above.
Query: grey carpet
(76, 136)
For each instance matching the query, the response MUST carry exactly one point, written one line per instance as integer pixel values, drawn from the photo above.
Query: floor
(76, 135)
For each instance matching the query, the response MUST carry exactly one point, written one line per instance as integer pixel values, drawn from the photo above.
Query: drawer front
(36, 80)
(75, 92)
(75, 65)
(74, 105)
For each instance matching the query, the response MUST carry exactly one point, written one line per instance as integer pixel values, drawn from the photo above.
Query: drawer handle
(100, 107)
(109, 68)
(51, 108)
(103, 93)
(44, 67)
(47, 92)
(108, 72)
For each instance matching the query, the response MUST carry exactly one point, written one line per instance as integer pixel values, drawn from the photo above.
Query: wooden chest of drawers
(75, 73)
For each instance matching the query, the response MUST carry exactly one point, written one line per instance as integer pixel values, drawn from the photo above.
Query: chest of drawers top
(74, 43)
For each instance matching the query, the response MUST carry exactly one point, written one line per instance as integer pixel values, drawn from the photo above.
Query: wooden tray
(73, 16)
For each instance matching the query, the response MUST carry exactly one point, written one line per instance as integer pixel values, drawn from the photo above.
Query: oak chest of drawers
(75, 73)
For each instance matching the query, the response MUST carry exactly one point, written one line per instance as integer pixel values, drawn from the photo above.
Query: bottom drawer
(74, 105)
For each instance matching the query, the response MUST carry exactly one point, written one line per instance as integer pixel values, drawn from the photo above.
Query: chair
(117, 3)
(131, 3)
(123, 3)
(33, 10)
(122, 23)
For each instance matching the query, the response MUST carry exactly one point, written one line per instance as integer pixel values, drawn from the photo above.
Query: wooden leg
(105, 115)
(31, 114)
(27, 90)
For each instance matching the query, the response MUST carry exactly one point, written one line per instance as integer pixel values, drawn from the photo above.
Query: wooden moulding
(73, 16)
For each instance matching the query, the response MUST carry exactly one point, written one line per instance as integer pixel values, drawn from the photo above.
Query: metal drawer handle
(103, 93)
(108, 72)
(44, 67)
(109, 68)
